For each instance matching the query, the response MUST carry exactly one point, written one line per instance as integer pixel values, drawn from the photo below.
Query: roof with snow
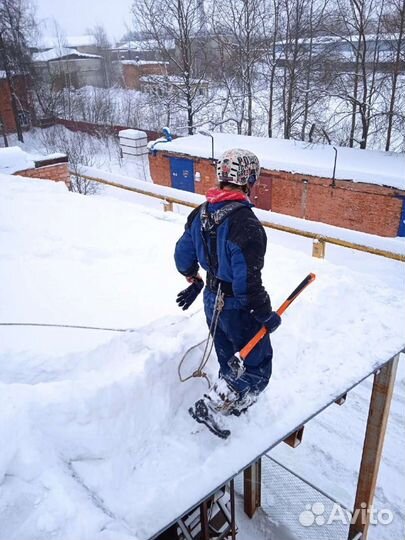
(99, 441)
(370, 166)
(50, 42)
(143, 62)
(147, 45)
(169, 79)
(60, 52)
(14, 159)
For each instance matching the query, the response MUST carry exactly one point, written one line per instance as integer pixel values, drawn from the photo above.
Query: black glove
(186, 297)
(272, 322)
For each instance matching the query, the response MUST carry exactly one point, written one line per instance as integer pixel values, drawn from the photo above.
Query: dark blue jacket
(241, 247)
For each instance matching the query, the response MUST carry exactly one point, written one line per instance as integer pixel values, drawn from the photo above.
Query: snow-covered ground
(97, 442)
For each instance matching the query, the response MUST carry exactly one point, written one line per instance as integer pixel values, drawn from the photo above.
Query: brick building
(134, 70)
(366, 193)
(15, 161)
(7, 117)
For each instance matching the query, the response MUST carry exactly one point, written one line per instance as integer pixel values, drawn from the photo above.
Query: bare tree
(178, 28)
(80, 152)
(395, 25)
(17, 28)
(361, 87)
(238, 30)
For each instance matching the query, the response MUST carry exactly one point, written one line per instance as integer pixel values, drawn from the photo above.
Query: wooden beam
(318, 249)
(380, 402)
(341, 400)
(295, 438)
(252, 488)
(205, 534)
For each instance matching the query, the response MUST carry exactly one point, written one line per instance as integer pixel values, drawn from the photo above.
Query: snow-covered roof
(143, 62)
(371, 166)
(168, 79)
(86, 40)
(14, 159)
(147, 45)
(60, 52)
(96, 421)
(327, 40)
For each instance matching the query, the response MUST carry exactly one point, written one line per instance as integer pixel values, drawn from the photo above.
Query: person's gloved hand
(272, 322)
(186, 297)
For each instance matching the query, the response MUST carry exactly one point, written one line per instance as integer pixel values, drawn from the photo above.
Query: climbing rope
(47, 325)
(209, 344)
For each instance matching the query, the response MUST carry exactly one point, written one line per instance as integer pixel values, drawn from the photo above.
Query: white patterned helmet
(240, 167)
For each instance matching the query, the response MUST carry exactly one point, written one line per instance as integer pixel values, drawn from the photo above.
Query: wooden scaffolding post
(372, 449)
(252, 487)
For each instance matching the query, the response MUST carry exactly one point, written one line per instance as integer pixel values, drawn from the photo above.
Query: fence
(295, 508)
(319, 240)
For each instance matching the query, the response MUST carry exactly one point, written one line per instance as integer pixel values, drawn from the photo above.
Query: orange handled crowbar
(236, 363)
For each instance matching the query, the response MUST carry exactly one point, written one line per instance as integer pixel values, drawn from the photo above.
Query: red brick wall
(358, 206)
(99, 129)
(132, 73)
(57, 173)
(6, 112)
(160, 171)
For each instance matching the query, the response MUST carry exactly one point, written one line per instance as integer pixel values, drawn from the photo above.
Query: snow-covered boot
(242, 404)
(221, 397)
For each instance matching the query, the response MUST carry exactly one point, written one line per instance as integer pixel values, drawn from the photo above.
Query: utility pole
(9, 77)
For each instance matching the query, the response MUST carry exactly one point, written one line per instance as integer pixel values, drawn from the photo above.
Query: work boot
(242, 404)
(221, 397)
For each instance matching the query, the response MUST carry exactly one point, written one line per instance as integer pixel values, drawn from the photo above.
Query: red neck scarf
(215, 195)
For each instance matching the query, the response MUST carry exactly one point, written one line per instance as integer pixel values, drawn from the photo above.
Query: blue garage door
(182, 172)
(401, 231)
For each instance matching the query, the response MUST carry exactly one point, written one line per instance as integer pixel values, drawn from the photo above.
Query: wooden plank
(380, 402)
(295, 438)
(252, 488)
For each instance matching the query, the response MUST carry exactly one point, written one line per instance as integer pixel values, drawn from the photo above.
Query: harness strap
(209, 225)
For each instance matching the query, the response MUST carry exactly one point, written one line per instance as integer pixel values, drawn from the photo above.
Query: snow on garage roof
(371, 166)
(99, 442)
(14, 159)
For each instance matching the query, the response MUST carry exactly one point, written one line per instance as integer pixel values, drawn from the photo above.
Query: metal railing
(319, 243)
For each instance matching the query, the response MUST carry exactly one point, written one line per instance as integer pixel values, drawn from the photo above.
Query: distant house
(68, 67)
(84, 44)
(147, 49)
(135, 70)
(339, 52)
(161, 85)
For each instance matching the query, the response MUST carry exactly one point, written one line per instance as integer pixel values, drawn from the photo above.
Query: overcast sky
(74, 16)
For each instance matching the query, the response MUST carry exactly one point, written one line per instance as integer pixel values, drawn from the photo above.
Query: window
(24, 119)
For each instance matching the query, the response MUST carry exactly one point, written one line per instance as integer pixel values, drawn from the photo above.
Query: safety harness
(210, 221)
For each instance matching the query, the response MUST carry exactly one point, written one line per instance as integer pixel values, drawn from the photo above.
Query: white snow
(13, 159)
(99, 442)
(370, 166)
(59, 53)
(144, 62)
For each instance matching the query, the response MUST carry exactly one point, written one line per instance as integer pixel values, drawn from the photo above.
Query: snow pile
(14, 159)
(371, 166)
(97, 434)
